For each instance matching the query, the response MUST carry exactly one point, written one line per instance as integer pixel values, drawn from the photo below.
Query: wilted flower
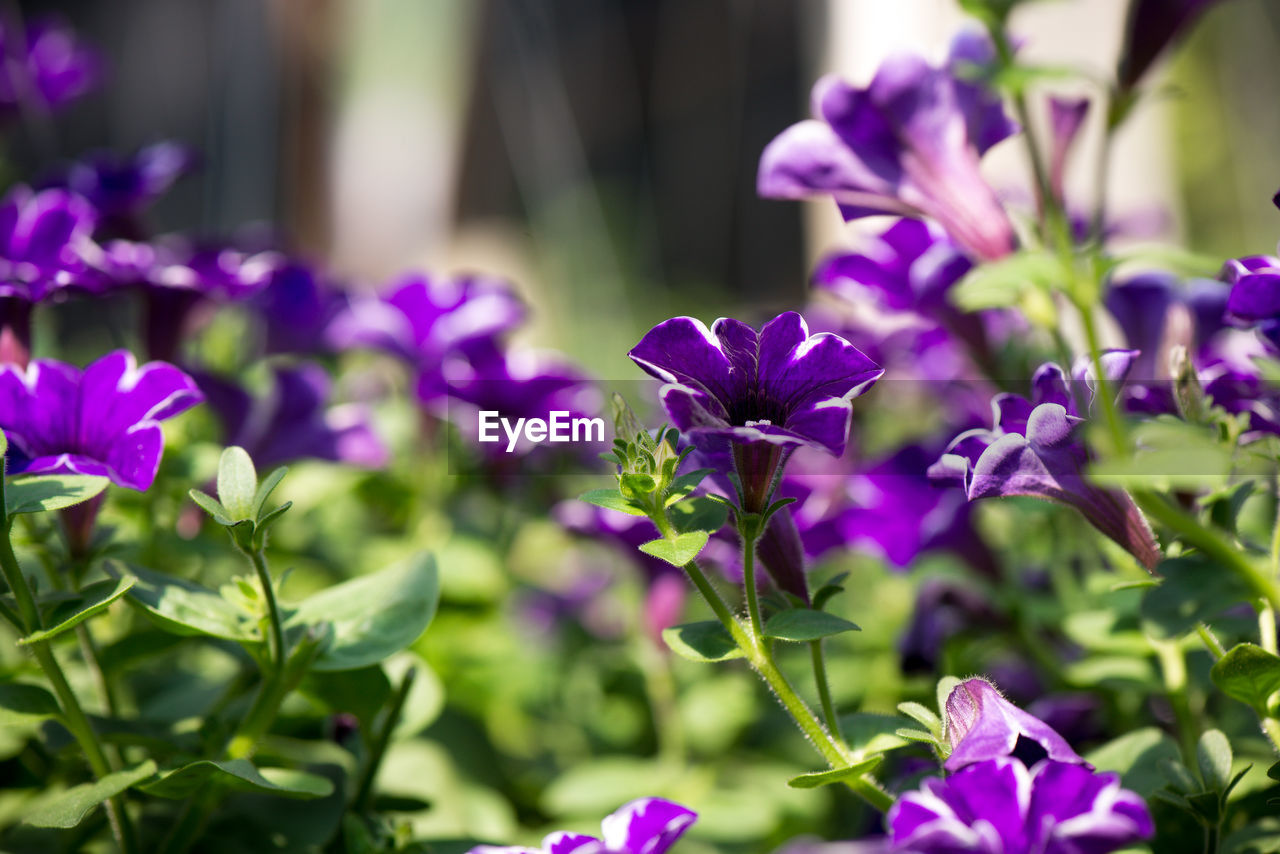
(1035, 449)
(998, 806)
(104, 420)
(982, 725)
(293, 420)
(1153, 26)
(644, 826)
(756, 395)
(907, 144)
(44, 66)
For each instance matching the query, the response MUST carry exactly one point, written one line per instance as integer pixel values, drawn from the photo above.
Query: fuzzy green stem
(824, 688)
(279, 648)
(753, 594)
(364, 793)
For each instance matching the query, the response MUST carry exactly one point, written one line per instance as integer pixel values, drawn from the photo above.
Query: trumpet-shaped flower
(981, 725)
(909, 143)
(644, 826)
(1255, 294)
(999, 806)
(103, 420)
(756, 394)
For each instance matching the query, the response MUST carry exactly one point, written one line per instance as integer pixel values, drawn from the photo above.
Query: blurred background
(603, 154)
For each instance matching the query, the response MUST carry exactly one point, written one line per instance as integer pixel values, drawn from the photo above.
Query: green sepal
(815, 779)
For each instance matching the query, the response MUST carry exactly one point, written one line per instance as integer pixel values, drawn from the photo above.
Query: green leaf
(71, 807)
(1007, 282)
(1137, 757)
(913, 734)
(89, 601)
(210, 505)
(611, 499)
(706, 641)
(21, 703)
(1173, 455)
(183, 607)
(686, 483)
(1248, 673)
(373, 616)
(4, 444)
(923, 716)
(805, 624)
(361, 692)
(868, 733)
(237, 483)
(1213, 755)
(677, 552)
(815, 779)
(1193, 590)
(265, 489)
(238, 774)
(50, 492)
(699, 514)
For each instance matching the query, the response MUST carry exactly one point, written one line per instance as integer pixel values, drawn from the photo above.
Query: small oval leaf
(706, 641)
(805, 624)
(72, 806)
(836, 775)
(89, 601)
(679, 551)
(50, 492)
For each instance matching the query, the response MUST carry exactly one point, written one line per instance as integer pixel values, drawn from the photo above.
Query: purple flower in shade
(982, 725)
(121, 187)
(1066, 119)
(999, 806)
(104, 420)
(756, 395)
(885, 507)
(1035, 449)
(293, 420)
(175, 276)
(44, 238)
(942, 610)
(297, 307)
(909, 144)
(423, 318)
(644, 826)
(1153, 26)
(44, 66)
(1255, 294)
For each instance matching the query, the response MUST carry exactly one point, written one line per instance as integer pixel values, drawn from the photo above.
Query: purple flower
(104, 420)
(1066, 118)
(44, 66)
(907, 144)
(1255, 294)
(644, 826)
(982, 725)
(297, 307)
(942, 610)
(998, 806)
(121, 187)
(1035, 449)
(425, 317)
(759, 395)
(1153, 26)
(44, 238)
(294, 420)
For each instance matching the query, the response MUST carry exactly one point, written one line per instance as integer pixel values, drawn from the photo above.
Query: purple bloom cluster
(644, 826)
(43, 66)
(1255, 294)
(104, 420)
(909, 144)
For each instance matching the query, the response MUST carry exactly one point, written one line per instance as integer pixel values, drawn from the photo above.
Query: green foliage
(836, 775)
(1248, 673)
(71, 612)
(239, 775)
(74, 805)
(805, 624)
(40, 493)
(706, 641)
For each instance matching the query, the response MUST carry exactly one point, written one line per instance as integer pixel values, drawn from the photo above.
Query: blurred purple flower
(644, 826)
(1153, 26)
(1035, 449)
(1066, 119)
(423, 318)
(104, 420)
(293, 421)
(121, 187)
(907, 144)
(1255, 294)
(982, 725)
(298, 306)
(942, 610)
(44, 239)
(44, 66)
(756, 395)
(998, 806)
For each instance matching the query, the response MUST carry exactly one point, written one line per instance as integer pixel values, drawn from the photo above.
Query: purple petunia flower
(294, 420)
(297, 307)
(999, 806)
(104, 420)
(756, 395)
(423, 318)
(909, 144)
(644, 826)
(1066, 119)
(942, 610)
(982, 725)
(44, 66)
(1255, 294)
(44, 238)
(121, 187)
(1035, 449)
